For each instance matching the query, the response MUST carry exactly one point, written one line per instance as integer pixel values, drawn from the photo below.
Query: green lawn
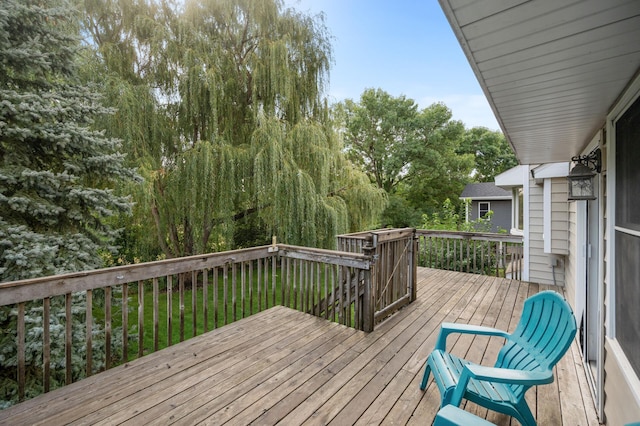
(252, 304)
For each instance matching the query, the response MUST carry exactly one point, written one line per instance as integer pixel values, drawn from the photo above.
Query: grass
(182, 330)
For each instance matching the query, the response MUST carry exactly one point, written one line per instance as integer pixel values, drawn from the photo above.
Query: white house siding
(559, 216)
(540, 270)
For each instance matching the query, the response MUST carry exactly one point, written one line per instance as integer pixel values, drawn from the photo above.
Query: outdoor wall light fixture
(581, 176)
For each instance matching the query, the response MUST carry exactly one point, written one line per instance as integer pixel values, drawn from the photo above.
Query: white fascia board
(512, 177)
(551, 170)
(507, 198)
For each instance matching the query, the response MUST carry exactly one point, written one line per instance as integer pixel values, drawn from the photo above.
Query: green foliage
(400, 214)
(492, 153)
(407, 152)
(441, 253)
(380, 133)
(57, 175)
(221, 103)
(56, 172)
(57, 352)
(449, 218)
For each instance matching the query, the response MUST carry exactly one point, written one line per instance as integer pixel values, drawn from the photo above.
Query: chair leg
(425, 377)
(524, 415)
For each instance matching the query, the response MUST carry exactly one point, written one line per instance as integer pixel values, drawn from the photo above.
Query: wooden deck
(289, 367)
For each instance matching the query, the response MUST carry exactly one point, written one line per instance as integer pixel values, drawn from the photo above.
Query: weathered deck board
(286, 366)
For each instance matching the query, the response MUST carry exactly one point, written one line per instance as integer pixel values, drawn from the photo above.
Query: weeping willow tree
(221, 104)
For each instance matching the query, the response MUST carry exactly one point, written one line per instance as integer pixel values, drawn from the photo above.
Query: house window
(627, 235)
(517, 209)
(483, 208)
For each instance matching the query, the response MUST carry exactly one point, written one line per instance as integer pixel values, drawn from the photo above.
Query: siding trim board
(546, 215)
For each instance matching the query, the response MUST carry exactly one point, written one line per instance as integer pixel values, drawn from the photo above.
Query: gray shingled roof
(485, 190)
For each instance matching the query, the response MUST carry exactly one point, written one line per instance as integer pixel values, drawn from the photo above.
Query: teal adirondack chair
(543, 335)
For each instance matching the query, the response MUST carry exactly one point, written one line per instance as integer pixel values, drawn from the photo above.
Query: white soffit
(551, 69)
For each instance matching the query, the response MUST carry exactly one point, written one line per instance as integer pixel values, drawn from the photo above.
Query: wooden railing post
(413, 267)
(369, 297)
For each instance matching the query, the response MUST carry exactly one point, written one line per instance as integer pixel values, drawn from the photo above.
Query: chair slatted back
(543, 335)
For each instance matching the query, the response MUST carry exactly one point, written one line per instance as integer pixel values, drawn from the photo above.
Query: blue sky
(405, 47)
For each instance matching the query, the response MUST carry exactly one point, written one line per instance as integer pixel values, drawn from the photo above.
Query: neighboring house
(486, 197)
(540, 214)
(563, 79)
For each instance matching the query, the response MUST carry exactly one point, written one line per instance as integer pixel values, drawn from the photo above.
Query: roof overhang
(497, 198)
(551, 69)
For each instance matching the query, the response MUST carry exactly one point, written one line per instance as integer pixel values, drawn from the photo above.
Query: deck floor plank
(200, 370)
(289, 367)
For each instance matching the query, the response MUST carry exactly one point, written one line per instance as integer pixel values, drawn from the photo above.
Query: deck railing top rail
(473, 236)
(58, 285)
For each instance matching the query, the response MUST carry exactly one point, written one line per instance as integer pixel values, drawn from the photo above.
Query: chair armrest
(498, 375)
(448, 327)
(506, 375)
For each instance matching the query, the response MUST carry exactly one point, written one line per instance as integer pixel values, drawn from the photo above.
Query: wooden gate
(393, 275)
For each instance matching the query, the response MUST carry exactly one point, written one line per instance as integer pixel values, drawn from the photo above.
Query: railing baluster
(181, 302)
(215, 298)
(89, 332)
(125, 322)
(194, 303)
(498, 254)
(156, 314)
(475, 270)
(46, 347)
(21, 333)
(225, 293)
(307, 285)
(259, 288)
(295, 284)
(326, 294)
(140, 318)
(341, 319)
(284, 271)
(234, 299)
(468, 243)
(107, 326)
(348, 301)
(250, 265)
(68, 339)
(169, 310)
(205, 299)
(318, 291)
(274, 264)
(243, 284)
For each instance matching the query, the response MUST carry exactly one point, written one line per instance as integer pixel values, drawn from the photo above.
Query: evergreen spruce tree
(56, 175)
(56, 172)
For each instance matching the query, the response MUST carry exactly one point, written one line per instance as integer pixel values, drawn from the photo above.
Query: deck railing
(479, 253)
(394, 266)
(82, 323)
(56, 330)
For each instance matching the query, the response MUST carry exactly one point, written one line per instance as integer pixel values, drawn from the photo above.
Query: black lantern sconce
(581, 176)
